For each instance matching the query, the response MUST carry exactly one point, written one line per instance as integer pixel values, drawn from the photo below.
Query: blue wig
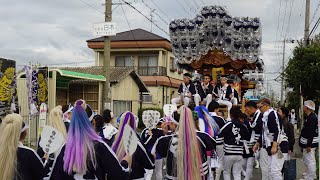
(211, 127)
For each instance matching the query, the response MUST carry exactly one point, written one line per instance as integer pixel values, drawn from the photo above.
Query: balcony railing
(152, 71)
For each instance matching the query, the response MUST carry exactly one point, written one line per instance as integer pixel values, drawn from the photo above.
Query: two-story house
(151, 57)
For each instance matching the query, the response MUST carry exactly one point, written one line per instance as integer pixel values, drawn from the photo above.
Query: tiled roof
(133, 35)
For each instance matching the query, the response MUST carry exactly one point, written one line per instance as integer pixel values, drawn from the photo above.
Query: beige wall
(158, 92)
(126, 90)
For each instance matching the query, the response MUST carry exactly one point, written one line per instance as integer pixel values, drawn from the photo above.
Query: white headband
(25, 127)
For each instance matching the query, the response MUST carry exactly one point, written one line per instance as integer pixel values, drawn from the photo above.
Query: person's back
(85, 155)
(29, 165)
(17, 161)
(106, 164)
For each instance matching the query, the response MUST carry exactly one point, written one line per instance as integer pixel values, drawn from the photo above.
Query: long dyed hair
(211, 127)
(55, 120)
(79, 144)
(189, 163)
(117, 146)
(10, 131)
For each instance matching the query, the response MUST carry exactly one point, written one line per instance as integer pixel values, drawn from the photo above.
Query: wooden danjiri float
(216, 43)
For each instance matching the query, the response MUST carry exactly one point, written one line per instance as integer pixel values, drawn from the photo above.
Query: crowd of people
(195, 142)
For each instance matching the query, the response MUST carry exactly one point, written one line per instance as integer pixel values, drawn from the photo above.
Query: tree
(304, 69)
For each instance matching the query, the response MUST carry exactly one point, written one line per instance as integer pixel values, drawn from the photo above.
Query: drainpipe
(141, 99)
(170, 89)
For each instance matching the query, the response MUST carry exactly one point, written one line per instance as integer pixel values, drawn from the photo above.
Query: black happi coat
(274, 126)
(148, 140)
(166, 146)
(227, 93)
(107, 166)
(29, 164)
(255, 129)
(233, 136)
(309, 132)
(190, 86)
(221, 122)
(141, 160)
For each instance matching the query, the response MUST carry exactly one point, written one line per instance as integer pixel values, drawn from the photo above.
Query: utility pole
(307, 23)
(106, 61)
(151, 17)
(306, 42)
(282, 73)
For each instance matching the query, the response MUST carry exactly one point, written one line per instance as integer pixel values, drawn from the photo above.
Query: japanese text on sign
(104, 29)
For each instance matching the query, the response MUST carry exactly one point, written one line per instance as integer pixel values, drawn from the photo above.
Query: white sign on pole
(104, 29)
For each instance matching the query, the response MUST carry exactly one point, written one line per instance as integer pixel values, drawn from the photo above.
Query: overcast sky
(55, 32)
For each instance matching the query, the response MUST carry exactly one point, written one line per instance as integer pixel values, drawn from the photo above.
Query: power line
(314, 14)
(284, 18)
(191, 8)
(183, 7)
(152, 10)
(277, 33)
(289, 20)
(314, 28)
(165, 14)
(124, 13)
(196, 4)
(93, 7)
(145, 16)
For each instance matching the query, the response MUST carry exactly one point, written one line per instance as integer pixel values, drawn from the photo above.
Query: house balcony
(152, 71)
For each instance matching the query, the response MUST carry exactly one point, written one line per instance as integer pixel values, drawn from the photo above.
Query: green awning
(79, 75)
(65, 76)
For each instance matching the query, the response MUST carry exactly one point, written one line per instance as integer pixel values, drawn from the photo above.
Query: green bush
(141, 126)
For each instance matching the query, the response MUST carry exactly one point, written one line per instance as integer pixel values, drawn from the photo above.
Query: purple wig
(79, 145)
(126, 118)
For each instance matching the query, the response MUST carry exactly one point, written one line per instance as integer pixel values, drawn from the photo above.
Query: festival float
(214, 42)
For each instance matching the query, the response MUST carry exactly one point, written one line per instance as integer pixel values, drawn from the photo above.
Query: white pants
(247, 164)
(310, 162)
(276, 165)
(207, 100)
(228, 104)
(232, 162)
(157, 171)
(210, 173)
(220, 153)
(234, 101)
(264, 164)
(186, 101)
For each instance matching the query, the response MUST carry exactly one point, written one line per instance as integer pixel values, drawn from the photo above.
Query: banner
(7, 85)
(42, 86)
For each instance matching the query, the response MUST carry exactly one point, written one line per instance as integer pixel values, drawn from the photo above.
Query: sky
(54, 33)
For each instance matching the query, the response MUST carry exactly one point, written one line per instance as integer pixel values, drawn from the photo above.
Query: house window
(147, 98)
(148, 65)
(124, 61)
(120, 107)
(173, 65)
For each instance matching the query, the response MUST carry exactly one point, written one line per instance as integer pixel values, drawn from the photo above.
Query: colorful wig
(117, 146)
(79, 144)
(211, 127)
(189, 164)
